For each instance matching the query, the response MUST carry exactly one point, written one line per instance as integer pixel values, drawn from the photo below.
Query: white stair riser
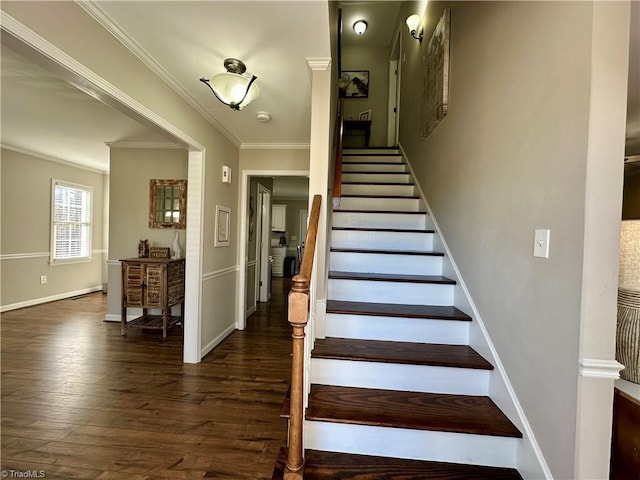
(398, 329)
(365, 189)
(402, 241)
(379, 156)
(387, 263)
(373, 167)
(377, 177)
(390, 376)
(390, 292)
(381, 220)
(384, 204)
(413, 444)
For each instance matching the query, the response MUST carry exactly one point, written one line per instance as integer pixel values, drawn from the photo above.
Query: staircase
(396, 392)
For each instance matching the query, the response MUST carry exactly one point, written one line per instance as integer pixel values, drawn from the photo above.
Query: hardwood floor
(81, 402)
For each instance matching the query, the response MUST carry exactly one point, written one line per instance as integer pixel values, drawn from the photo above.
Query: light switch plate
(226, 174)
(541, 243)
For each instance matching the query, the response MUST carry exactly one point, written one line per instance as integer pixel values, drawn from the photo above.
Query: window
(70, 221)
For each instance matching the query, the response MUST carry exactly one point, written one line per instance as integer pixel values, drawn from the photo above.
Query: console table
(156, 283)
(356, 133)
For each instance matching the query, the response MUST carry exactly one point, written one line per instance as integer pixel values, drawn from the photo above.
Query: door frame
(263, 280)
(243, 192)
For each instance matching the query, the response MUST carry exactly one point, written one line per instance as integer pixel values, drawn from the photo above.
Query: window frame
(88, 223)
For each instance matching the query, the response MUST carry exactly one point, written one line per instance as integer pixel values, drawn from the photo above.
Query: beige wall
(376, 60)
(131, 170)
(511, 157)
(26, 225)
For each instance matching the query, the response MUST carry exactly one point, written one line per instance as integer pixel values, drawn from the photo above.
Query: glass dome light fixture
(360, 27)
(234, 88)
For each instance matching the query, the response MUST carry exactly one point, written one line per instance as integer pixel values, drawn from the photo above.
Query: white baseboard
(250, 311)
(52, 298)
(214, 343)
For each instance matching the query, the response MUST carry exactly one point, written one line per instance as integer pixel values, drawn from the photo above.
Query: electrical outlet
(43, 279)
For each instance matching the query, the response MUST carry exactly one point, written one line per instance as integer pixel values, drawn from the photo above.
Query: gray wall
(511, 157)
(26, 231)
(376, 60)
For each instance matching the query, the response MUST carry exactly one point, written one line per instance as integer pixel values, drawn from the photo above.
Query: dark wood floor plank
(396, 310)
(339, 466)
(81, 401)
(422, 411)
(460, 356)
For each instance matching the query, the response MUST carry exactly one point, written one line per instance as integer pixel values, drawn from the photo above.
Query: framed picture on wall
(366, 115)
(354, 84)
(223, 226)
(435, 65)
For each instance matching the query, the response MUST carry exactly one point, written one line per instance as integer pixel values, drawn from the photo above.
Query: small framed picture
(223, 226)
(354, 84)
(366, 115)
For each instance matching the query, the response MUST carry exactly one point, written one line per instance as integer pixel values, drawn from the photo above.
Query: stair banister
(298, 315)
(337, 172)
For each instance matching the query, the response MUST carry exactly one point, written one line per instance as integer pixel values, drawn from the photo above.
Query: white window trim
(66, 261)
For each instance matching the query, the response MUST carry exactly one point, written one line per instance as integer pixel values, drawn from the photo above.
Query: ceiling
(186, 40)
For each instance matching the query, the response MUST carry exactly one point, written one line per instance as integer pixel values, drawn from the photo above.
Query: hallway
(80, 401)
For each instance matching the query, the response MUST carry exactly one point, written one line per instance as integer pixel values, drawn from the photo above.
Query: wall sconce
(233, 87)
(413, 22)
(360, 27)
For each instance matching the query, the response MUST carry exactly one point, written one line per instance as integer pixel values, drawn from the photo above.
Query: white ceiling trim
(103, 19)
(143, 145)
(50, 158)
(275, 146)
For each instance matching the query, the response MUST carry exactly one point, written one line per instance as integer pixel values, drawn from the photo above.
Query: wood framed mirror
(167, 204)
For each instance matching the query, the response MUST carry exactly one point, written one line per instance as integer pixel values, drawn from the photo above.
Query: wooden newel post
(298, 316)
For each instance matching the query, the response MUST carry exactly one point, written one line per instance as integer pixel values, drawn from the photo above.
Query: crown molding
(143, 145)
(134, 47)
(50, 158)
(275, 146)
(318, 63)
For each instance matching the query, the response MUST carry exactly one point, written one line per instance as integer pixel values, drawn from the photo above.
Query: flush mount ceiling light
(413, 22)
(360, 27)
(234, 88)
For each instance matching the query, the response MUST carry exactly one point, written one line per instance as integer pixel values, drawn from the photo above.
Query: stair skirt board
(387, 376)
(390, 263)
(449, 332)
(391, 292)
(412, 444)
(398, 241)
(400, 220)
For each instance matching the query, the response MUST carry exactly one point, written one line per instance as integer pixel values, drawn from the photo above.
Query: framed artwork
(354, 84)
(223, 226)
(366, 115)
(435, 71)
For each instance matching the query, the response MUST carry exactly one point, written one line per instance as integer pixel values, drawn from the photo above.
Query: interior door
(263, 245)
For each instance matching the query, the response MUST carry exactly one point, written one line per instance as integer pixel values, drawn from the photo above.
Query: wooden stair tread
(406, 353)
(435, 312)
(372, 163)
(429, 253)
(412, 410)
(391, 230)
(377, 172)
(391, 277)
(320, 465)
